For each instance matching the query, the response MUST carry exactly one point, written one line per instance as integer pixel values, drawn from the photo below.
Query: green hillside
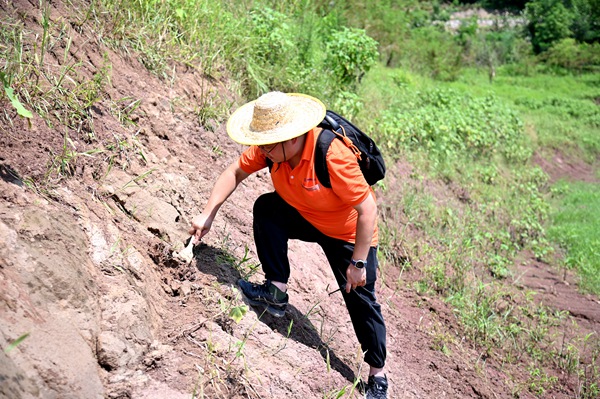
(499, 109)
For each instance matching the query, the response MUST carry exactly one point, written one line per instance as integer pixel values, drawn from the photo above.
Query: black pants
(276, 222)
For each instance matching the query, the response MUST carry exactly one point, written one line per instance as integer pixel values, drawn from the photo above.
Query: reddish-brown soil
(559, 167)
(86, 268)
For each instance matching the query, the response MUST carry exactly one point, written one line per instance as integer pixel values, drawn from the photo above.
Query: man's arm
(365, 227)
(223, 188)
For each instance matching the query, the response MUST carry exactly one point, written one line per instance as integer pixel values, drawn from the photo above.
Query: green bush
(505, 46)
(386, 21)
(448, 124)
(350, 54)
(433, 52)
(572, 56)
(548, 21)
(273, 47)
(586, 20)
(272, 34)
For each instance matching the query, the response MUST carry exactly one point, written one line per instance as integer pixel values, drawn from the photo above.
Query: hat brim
(308, 112)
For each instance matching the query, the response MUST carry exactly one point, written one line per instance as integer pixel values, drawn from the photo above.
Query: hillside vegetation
(113, 118)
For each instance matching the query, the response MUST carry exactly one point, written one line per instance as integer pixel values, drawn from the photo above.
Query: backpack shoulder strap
(324, 140)
(329, 122)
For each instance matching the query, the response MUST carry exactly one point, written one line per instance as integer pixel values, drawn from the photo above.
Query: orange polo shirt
(331, 211)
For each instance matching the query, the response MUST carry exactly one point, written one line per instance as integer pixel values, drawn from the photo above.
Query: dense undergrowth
(466, 110)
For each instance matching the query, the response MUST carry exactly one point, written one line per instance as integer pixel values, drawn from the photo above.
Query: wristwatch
(359, 264)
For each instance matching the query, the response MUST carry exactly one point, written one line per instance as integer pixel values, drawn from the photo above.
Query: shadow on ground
(210, 260)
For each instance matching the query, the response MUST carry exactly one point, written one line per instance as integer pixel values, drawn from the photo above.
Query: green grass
(576, 228)
(561, 111)
(480, 136)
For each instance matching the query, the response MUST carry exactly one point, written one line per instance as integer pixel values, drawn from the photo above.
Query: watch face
(359, 264)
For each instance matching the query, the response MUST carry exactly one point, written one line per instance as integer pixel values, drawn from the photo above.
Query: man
(342, 219)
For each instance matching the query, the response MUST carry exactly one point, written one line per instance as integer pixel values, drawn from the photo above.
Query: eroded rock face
(83, 312)
(50, 293)
(13, 382)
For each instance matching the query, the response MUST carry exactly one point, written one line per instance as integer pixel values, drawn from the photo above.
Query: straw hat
(275, 117)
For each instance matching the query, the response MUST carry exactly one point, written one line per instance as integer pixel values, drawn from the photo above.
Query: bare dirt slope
(86, 271)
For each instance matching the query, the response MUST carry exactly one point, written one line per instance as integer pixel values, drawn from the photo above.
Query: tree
(586, 20)
(548, 21)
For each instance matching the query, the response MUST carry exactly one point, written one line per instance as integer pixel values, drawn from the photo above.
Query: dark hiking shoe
(266, 295)
(376, 388)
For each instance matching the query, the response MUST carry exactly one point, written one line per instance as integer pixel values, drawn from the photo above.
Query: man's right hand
(225, 185)
(200, 226)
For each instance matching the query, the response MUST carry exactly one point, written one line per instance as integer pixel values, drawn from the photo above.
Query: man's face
(273, 151)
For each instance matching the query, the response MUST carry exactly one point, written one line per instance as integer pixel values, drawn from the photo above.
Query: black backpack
(368, 155)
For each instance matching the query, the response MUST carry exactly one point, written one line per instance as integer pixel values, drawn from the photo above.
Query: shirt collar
(309, 143)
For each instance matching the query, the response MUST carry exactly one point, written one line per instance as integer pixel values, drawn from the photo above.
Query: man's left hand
(355, 277)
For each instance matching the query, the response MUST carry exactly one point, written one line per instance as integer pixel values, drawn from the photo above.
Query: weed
(347, 390)
(45, 7)
(9, 91)
(237, 313)
(244, 266)
(210, 109)
(123, 109)
(63, 164)
(441, 341)
(59, 94)
(588, 373)
(539, 381)
(136, 179)
(16, 343)
(287, 337)
(217, 150)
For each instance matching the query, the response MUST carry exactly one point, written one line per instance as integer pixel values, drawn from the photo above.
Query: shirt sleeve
(347, 180)
(252, 160)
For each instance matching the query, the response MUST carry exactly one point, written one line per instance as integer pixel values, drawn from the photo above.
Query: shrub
(273, 35)
(434, 52)
(350, 54)
(548, 21)
(448, 124)
(586, 20)
(573, 56)
(504, 46)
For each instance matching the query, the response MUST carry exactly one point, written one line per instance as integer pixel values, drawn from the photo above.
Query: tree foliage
(586, 20)
(351, 53)
(549, 22)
